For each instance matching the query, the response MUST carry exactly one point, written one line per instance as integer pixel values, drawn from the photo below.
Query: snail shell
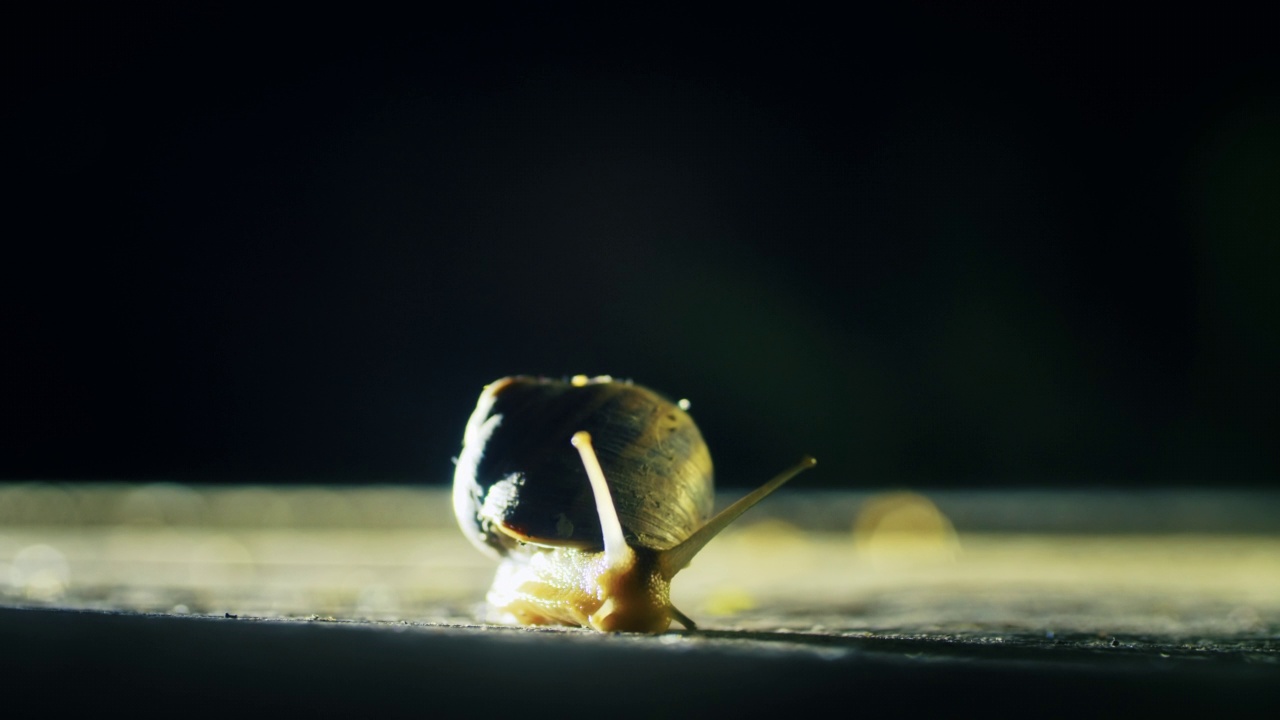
(519, 480)
(593, 493)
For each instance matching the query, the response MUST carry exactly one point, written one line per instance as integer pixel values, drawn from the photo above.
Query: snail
(592, 493)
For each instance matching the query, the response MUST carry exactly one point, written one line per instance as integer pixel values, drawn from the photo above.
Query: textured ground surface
(352, 601)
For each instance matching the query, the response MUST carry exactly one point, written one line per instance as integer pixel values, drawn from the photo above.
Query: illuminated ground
(1165, 600)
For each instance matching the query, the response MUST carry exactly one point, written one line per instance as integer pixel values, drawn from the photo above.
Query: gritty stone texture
(365, 601)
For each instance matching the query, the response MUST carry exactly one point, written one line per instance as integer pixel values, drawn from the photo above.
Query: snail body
(592, 494)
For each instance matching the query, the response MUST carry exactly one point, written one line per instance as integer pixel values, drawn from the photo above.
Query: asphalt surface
(166, 601)
(58, 662)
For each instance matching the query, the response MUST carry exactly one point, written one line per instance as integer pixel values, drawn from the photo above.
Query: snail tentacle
(678, 558)
(617, 553)
(681, 618)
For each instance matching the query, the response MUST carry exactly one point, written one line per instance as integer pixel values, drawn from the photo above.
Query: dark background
(930, 246)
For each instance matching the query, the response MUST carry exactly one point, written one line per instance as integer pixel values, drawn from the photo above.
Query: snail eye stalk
(616, 551)
(677, 558)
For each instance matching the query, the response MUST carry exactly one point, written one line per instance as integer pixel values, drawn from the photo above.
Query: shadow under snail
(593, 493)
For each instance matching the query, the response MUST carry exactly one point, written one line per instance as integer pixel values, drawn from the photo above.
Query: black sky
(927, 245)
